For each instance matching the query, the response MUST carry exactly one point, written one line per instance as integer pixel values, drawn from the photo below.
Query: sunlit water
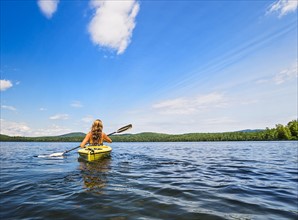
(206, 180)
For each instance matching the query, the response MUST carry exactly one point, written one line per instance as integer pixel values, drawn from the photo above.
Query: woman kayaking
(96, 136)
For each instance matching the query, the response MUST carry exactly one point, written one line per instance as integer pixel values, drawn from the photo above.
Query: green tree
(293, 127)
(283, 133)
(270, 134)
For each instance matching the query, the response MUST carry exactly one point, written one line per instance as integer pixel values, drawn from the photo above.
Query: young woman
(96, 136)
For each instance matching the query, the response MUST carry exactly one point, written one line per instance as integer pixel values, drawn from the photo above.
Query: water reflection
(95, 174)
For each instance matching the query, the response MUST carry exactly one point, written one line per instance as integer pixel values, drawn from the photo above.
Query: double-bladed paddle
(120, 130)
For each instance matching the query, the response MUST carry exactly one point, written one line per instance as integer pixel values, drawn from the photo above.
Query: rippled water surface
(206, 180)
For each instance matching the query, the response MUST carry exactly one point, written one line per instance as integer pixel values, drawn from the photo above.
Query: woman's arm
(85, 141)
(106, 138)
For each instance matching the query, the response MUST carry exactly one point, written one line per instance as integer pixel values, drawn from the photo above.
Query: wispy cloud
(5, 84)
(42, 109)
(235, 56)
(286, 74)
(7, 107)
(14, 128)
(113, 23)
(76, 104)
(60, 117)
(282, 76)
(262, 80)
(189, 105)
(88, 119)
(50, 131)
(283, 7)
(218, 121)
(48, 7)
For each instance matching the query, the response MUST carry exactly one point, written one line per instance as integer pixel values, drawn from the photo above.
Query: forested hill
(280, 132)
(74, 134)
(71, 137)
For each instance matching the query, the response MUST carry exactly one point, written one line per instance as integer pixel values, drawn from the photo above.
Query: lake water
(205, 180)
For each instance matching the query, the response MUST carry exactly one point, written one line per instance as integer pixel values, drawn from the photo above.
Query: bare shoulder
(88, 134)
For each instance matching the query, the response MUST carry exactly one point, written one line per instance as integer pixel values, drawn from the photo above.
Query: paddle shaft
(112, 133)
(71, 149)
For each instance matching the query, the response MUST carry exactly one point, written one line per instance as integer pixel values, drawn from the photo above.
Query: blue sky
(170, 67)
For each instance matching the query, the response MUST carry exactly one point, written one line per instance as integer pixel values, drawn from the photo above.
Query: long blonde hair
(96, 132)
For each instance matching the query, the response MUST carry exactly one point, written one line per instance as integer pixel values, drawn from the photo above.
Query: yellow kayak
(92, 153)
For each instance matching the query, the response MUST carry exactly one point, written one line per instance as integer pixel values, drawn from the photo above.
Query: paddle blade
(56, 154)
(125, 128)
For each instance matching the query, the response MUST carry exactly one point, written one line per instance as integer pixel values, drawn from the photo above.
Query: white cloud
(113, 23)
(286, 74)
(5, 84)
(7, 107)
(281, 77)
(76, 104)
(262, 80)
(211, 112)
(42, 109)
(218, 121)
(88, 119)
(248, 101)
(175, 106)
(14, 128)
(48, 7)
(51, 131)
(60, 117)
(191, 104)
(283, 7)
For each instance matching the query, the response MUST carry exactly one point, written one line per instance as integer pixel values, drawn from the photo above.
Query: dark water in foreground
(208, 180)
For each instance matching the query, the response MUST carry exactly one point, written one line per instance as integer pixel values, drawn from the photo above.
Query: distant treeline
(41, 139)
(280, 132)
